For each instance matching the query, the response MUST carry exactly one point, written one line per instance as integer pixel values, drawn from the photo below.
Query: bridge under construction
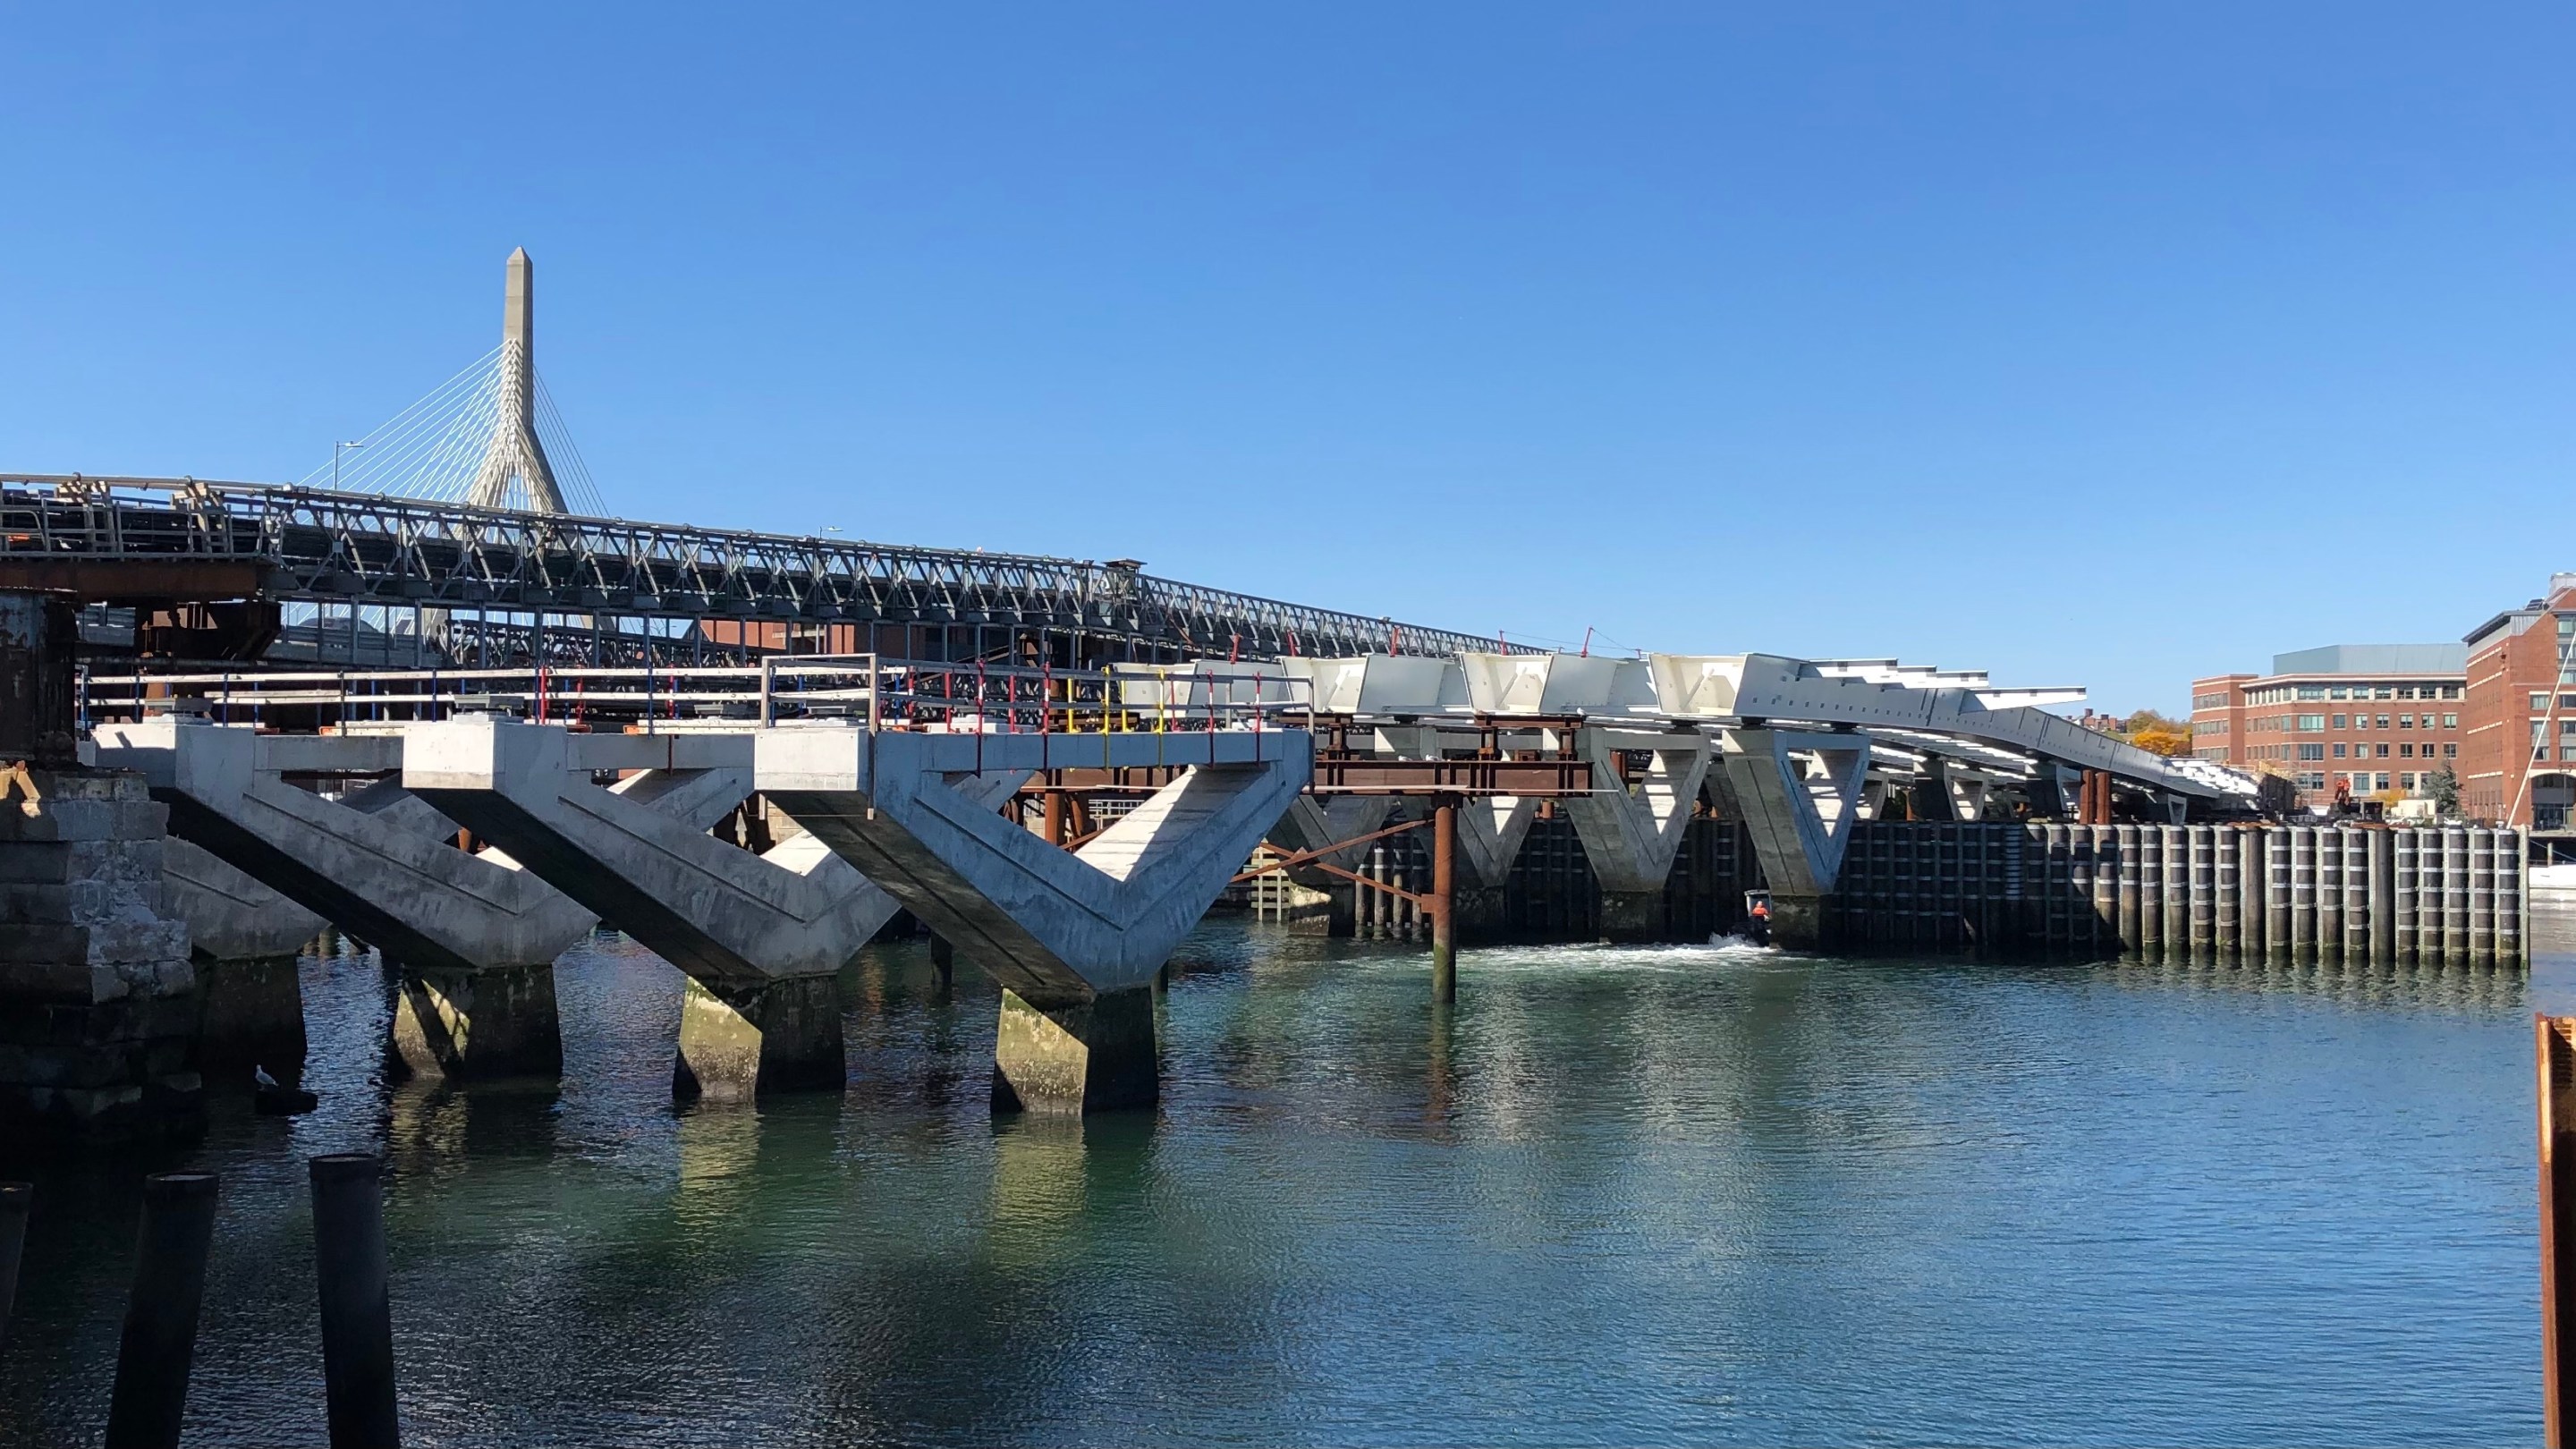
(437, 709)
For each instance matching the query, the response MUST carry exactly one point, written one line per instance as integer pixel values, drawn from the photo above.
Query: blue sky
(2101, 344)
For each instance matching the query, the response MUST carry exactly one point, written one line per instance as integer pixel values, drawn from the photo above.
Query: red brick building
(2367, 717)
(2518, 755)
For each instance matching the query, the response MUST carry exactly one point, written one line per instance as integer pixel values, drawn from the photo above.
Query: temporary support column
(1444, 882)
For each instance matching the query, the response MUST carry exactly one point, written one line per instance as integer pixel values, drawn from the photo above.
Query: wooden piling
(357, 1310)
(159, 1342)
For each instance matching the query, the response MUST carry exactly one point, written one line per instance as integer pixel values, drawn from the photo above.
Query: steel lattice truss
(318, 546)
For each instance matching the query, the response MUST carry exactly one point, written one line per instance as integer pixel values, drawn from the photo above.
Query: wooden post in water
(15, 1199)
(357, 1309)
(160, 1339)
(1444, 883)
(2554, 1054)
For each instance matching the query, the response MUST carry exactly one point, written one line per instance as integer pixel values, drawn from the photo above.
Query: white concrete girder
(1632, 836)
(380, 877)
(1800, 819)
(1056, 927)
(717, 912)
(231, 916)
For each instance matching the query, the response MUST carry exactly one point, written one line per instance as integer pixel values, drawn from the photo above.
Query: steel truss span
(312, 545)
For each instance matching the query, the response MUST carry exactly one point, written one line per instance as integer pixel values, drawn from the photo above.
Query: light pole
(336, 450)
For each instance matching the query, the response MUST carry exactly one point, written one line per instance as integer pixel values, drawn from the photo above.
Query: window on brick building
(2406, 780)
(2450, 752)
(2450, 721)
(2338, 749)
(2312, 752)
(2310, 723)
(2383, 721)
(2383, 749)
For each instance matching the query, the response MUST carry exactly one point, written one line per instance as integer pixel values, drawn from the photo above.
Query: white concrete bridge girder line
(1800, 818)
(1631, 836)
(1076, 938)
(760, 937)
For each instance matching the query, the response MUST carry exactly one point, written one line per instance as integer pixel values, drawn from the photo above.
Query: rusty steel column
(39, 633)
(2554, 1054)
(1444, 881)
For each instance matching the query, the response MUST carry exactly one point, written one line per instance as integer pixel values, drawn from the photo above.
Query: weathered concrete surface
(1055, 926)
(740, 925)
(494, 1024)
(231, 916)
(1059, 929)
(739, 1039)
(1092, 1056)
(366, 865)
(99, 1009)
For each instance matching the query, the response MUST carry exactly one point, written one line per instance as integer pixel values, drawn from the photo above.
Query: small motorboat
(1757, 917)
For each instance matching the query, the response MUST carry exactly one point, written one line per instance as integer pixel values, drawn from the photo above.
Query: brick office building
(2518, 756)
(2372, 717)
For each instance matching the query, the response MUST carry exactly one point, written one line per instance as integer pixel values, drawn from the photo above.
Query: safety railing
(858, 689)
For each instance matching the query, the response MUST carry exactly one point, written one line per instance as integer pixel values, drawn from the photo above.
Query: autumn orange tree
(2157, 734)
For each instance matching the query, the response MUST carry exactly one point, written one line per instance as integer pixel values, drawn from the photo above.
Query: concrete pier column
(1076, 1057)
(491, 1024)
(250, 1015)
(747, 1039)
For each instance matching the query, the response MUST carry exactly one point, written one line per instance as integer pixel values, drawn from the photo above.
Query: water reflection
(1708, 1193)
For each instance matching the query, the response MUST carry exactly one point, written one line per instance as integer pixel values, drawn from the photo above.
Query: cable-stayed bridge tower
(514, 465)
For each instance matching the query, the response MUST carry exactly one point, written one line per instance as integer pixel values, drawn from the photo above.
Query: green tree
(2443, 786)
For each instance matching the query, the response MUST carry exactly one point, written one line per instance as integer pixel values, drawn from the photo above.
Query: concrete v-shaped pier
(761, 937)
(1077, 937)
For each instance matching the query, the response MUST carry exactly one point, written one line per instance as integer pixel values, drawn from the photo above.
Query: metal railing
(319, 546)
(860, 689)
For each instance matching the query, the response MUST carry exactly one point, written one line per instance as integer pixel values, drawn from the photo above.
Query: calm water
(1615, 1195)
